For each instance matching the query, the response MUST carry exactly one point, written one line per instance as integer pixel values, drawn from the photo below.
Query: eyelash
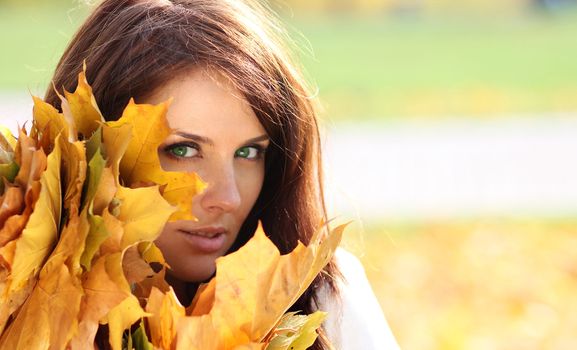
(260, 150)
(167, 150)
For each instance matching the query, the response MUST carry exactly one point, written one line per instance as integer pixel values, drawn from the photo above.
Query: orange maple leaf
(140, 162)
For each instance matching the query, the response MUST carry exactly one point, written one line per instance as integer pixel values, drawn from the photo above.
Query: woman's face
(216, 134)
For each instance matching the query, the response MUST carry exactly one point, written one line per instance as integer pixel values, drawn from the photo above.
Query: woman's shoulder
(355, 320)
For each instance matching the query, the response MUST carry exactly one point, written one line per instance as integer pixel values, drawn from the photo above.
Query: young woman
(244, 120)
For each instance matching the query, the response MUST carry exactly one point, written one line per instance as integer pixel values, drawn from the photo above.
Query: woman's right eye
(181, 151)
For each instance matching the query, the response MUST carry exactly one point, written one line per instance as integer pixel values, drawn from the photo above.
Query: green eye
(248, 152)
(182, 151)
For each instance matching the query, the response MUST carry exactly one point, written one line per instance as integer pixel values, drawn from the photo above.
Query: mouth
(205, 239)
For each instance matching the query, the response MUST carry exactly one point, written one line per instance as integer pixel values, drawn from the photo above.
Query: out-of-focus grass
(379, 67)
(32, 41)
(439, 66)
(477, 285)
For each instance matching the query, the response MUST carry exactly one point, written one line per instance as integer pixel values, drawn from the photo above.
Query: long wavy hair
(132, 47)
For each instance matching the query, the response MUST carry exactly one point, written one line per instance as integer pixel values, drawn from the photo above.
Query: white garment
(356, 321)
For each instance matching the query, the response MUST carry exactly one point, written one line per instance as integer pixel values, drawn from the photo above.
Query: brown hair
(132, 47)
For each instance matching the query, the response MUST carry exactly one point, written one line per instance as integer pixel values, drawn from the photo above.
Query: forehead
(205, 101)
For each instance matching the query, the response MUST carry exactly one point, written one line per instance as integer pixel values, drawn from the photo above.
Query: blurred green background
(476, 283)
(375, 59)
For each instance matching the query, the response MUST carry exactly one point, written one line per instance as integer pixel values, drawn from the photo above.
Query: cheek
(250, 184)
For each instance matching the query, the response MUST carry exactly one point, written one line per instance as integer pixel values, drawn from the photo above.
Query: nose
(222, 193)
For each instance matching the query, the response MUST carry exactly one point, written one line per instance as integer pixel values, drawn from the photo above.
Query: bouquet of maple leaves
(77, 244)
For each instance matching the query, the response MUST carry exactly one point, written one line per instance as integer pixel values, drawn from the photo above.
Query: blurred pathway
(14, 108)
(454, 168)
(438, 169)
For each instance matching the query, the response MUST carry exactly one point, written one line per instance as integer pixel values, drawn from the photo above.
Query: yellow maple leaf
(69, 311)
(36, 241)
(143, 213)
(121, 218)
(73, 171)
(105, 193)
(250, 346)
(149, 130)
(97, 234)
(115, 141)
(135, 267)
(31, 160)
(121, 318)
(140, 163)
(166, 311)
(141, 216)
(47, 120)
(8, 166)
(120, 308)
(11, 221)
(101, 185)
(20, 197)
(101, 294)
(48, 318)
(83, 108)
(151, 253)
(296, 332)
(8, 137)
(114, 228)
(55, 299)
(203, 300)
(253, 288)
(99, 192)
(53, 306)
(179, 190)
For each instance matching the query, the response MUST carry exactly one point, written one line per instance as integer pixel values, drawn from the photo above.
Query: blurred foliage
(364, 6)
(32, 42)
(422, 6)
(443, 66)
(370, 66)
(476, 285)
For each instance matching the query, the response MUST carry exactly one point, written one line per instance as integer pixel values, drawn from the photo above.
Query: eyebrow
(206, 140)
(260, 138)
(193, 137)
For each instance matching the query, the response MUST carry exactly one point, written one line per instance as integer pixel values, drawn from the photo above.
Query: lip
(207, 240)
